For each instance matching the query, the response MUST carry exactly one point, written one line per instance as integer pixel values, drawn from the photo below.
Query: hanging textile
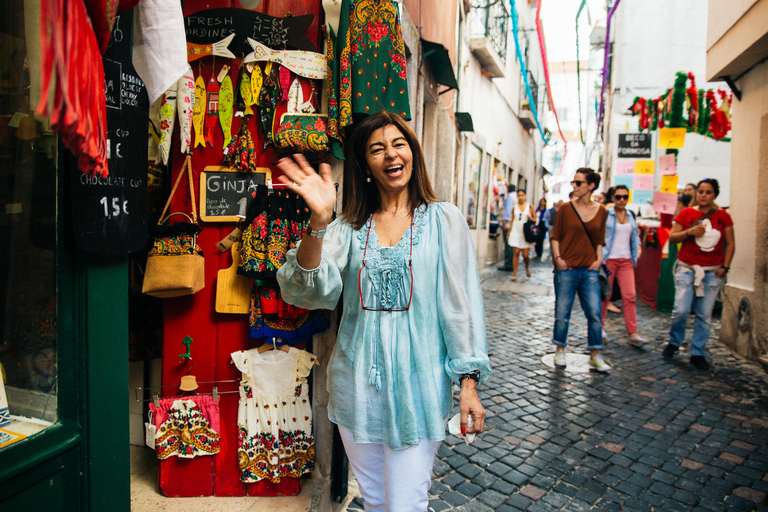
(186, 427)
(367, 65)
(274, 225)
(274, 417)
(73, 96)
(293, 324)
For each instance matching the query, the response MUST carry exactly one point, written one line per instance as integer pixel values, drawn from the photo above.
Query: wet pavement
(650, 435)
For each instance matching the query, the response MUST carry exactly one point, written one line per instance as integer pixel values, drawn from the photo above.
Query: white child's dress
(274, 417)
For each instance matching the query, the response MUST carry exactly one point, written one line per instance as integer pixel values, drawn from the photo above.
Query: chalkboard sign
(225, 193)
(213, 25)
(634, 145)
(110, 213)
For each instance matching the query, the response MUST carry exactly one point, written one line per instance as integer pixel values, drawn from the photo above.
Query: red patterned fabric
(73, 96)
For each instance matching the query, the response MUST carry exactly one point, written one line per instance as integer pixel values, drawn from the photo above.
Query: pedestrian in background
(706, 232)
(600, 198)
(622, 250)
(615, 289)
(578, 238)
(509, 204)
(690, 190)
(541, 211)
(521, 213)
(391, 372)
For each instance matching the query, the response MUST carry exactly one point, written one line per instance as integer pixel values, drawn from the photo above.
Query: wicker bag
(175, 266)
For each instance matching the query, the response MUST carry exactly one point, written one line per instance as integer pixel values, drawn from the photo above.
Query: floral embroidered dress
(274, 417)
(390, 374)
(367, 65)
(184, 430)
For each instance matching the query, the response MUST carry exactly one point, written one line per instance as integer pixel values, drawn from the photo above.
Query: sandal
(528, 272)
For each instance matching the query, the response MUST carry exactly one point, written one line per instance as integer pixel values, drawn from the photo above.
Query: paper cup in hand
(454, 427)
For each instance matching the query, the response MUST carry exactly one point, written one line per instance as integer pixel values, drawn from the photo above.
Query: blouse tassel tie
(374, 376)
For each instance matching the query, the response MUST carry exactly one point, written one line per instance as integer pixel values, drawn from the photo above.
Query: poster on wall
(110, 213)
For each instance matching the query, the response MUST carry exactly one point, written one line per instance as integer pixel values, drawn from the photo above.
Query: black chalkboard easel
(225, 193)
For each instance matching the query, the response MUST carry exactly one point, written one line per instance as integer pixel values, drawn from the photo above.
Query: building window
(473, 162)
(28, 277)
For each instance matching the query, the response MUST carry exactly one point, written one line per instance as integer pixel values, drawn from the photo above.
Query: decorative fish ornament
(197, 51)
(247, 93)
(211, 109)
(256, 81)
(285, 81)
(295, 96)
(185, 96)
(238, 91)
(198, 111)
(303, 63)
(167, 120)
(226, 108)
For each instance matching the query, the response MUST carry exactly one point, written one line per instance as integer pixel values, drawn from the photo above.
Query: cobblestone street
(650, 435)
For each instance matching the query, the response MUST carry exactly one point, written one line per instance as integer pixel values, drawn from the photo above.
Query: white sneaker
(598, 363)
(605, 336)
(560, 358)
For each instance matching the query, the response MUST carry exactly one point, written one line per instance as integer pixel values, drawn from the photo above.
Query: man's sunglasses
(619, 197)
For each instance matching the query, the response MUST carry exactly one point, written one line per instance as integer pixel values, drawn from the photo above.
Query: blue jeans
(684, 299)
(567, 284)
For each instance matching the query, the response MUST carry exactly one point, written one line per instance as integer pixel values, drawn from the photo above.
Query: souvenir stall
(683, 109)
(233, 416)
(232, 419)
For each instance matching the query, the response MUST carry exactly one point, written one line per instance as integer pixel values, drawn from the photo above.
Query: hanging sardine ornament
(246, 91)
(226, 107)
(197, 51)
(198, 111)
(211, 109)
(307, 64)
(185, 96)
(284, 76)
(256, 81)
(167, 121)
(239, 107)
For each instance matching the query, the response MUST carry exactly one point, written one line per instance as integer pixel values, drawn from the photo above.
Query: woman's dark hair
(609, 194)
(617, 187)
(711, 181)
(360, 198)
(592, 177)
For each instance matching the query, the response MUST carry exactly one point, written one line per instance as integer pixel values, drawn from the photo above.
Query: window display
(28, 284)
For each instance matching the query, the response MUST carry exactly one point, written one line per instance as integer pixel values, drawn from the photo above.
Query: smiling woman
(413, 318)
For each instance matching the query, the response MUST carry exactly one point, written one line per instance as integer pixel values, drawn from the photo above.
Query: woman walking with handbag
(521, 213)
(578, 238)
(622, 250)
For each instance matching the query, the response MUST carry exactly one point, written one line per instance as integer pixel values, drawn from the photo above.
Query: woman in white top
(521, 213)
(622, 250)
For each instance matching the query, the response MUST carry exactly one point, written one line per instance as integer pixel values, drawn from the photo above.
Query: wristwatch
(317, 233)
(474, 375)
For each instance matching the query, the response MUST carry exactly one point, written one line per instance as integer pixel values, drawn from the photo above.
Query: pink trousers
(623, 270)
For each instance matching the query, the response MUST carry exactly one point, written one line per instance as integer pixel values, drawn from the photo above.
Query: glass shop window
(472, 165)
(28, 218)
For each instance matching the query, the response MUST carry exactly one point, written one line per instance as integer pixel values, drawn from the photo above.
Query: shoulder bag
(530, 229)
(175, 266)
(603, 273)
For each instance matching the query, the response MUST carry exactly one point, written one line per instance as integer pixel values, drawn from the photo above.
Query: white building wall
(493, 104)
(646, 66)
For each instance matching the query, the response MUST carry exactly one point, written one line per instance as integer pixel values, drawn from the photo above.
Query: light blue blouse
(389, 377)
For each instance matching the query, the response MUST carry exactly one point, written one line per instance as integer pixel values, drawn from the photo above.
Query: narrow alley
(650, 435)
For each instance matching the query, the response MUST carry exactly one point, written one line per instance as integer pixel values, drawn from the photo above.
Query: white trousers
(392, 480)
